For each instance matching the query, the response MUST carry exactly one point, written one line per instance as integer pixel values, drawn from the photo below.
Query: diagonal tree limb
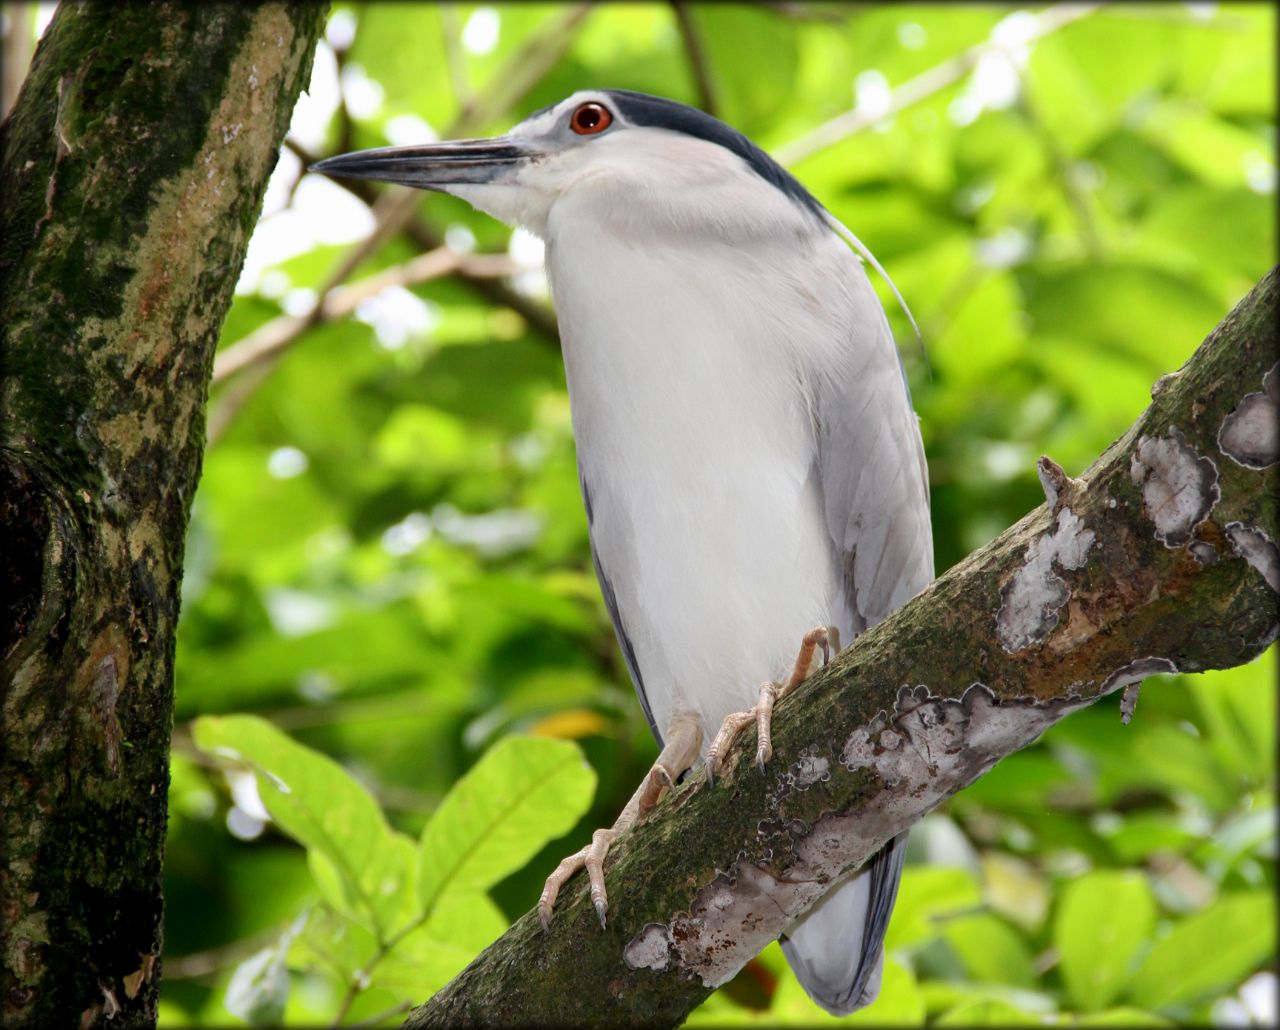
(1161, 557)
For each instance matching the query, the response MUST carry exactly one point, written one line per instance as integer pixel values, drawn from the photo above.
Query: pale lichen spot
(1258, 549)
(1032, 598)
(809, 770)
(1250, 434)
(649, 949)
(1179, 485)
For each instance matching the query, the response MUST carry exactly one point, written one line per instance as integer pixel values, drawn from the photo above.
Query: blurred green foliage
(388, 561)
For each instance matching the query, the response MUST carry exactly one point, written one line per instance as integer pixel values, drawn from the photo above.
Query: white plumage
(749, 458)
(735, 448)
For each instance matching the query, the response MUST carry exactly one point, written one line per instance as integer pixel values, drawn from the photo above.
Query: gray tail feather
(837, 949)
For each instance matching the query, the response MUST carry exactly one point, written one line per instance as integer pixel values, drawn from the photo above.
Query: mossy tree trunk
(134, 164)
(1161, 557)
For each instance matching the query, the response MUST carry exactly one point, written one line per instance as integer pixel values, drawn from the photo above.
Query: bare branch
(339, 302)
(1160, 557)
(697, 59)
(263, 347)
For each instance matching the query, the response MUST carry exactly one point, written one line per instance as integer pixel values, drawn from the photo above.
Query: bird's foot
(684, 738)
(592, 859)
(821, 637)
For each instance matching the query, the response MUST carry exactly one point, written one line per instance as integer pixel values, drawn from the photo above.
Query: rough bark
(1161, 557)
(134, 166)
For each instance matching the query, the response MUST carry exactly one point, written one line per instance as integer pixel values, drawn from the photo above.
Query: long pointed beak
(433, 166)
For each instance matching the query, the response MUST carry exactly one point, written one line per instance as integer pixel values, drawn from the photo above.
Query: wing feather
(875, 492)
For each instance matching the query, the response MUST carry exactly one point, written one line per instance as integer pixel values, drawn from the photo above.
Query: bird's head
(635, 160)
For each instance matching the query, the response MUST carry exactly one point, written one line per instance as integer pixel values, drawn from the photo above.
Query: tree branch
(340, 301)
(697, 58)
(1161, 557)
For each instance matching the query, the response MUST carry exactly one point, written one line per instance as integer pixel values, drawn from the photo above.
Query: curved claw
(592, 859)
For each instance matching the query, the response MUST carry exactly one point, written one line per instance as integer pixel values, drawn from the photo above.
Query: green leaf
(985, 1012)
(429, 956)
(1103, 921)
(943, 995)
(523, 792)
(1123, 1016)
(1210, 951)
(927, 896)
(358, 861)
(991, 950)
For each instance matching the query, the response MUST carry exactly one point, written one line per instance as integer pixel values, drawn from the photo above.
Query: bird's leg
(683, 739)
(770, 694)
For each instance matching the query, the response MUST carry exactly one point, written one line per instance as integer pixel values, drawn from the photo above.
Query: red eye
(590, 119)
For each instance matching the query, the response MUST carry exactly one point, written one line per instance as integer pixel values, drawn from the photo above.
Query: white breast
(696, 441)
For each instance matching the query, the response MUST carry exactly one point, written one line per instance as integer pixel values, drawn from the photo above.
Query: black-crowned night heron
(750, 463)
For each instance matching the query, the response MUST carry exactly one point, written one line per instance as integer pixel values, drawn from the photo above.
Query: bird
(749, 458)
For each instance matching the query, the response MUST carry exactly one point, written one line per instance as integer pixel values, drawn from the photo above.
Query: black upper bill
(431, 165)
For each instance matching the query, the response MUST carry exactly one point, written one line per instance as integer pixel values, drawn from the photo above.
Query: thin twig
(697, 56)
(206, 963)
(394, 1010)
(256, 354)
(341, 301)
(522, 71)
(923, 86)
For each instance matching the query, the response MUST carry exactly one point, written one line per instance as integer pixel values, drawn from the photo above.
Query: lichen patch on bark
(1031, 600)
(649, 949)
(1179, 485)
(1250, 434)
(1258, 549)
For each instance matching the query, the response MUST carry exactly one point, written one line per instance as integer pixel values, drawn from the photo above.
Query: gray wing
(875, 491)
(837, 949)
(874, 480)
(615, 616)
